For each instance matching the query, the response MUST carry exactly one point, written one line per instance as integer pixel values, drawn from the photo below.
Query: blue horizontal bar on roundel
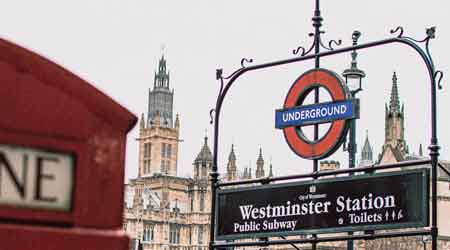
(316, 113)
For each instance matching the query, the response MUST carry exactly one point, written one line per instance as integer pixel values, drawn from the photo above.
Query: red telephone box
(62, 150)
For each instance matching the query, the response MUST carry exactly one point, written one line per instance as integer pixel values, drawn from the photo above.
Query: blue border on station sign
(317, 113)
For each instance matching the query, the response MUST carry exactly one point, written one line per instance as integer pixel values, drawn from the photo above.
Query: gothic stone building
(168, 212)
(162, 210)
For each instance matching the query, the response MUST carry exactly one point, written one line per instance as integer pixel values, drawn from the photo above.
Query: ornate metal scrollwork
(245, 60)
(330, 44)
(211, 116)
(438, 75)
(430, 34)
(302, 49)
(398, 30)
(304, 52)
(295, 51)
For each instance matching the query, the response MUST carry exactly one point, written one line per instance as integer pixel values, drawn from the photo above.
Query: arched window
(147, 157)
(149, 232)
(174, 233)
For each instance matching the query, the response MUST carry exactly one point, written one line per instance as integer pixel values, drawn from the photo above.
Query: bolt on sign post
(62, 150)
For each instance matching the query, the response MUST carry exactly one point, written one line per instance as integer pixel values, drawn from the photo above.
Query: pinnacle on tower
(366, 153)
(142, 122)
(205, 153)
(231, 165)
(260, 165)
(270, 171)
(162, 76)
(394, 104)
(260, 154)
(177, 121)
(232, 156)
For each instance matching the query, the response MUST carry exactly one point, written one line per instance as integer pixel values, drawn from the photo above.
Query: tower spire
(231, 165)
(260, 165)
(162, 77)
(232, 156)
(366, 152)
(161, 97)
(394, 104)
(394, 134)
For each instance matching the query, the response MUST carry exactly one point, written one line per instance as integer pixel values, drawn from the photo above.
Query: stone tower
(366, 153)
(231, 166)
(260, 165)
(159, 137)
(394, 148)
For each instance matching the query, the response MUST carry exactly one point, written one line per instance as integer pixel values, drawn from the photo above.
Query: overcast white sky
(115, 45)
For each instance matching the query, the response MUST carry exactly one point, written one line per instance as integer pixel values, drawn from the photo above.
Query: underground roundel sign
(296, 114)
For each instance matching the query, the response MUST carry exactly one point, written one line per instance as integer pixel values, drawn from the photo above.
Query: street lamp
(353, 80)
(353, 75)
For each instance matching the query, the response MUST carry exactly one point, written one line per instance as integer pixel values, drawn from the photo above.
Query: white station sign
(38, 179)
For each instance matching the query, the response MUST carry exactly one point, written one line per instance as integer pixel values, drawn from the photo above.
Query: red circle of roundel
(333, 138)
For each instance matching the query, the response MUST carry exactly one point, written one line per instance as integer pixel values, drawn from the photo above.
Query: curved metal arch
(426, 57)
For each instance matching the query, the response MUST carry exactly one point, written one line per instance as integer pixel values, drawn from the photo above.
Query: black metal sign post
(303, 54)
